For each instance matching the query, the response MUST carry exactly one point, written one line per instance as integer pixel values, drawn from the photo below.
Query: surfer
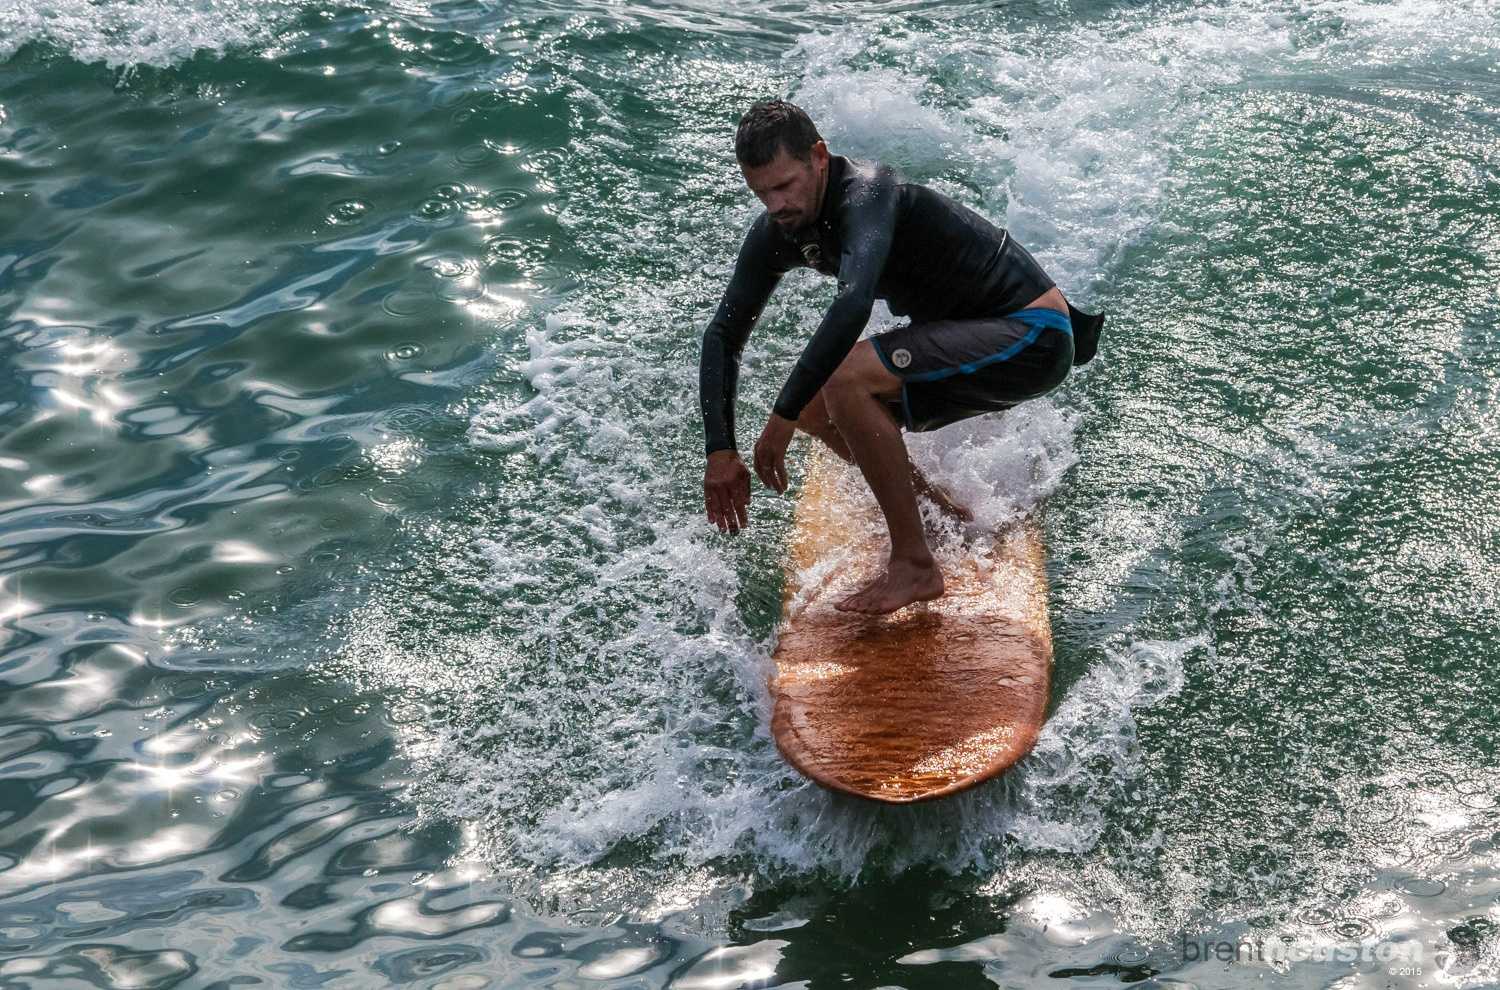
(988, 329)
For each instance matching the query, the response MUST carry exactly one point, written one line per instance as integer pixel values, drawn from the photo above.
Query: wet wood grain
(925, 702)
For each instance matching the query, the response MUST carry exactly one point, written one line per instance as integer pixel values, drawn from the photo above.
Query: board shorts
(953, 369)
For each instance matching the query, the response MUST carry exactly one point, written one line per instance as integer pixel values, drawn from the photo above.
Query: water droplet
(347, 211)
(504, 251)
(448, 266)
(1317, 916)
(1354, 929)
(435, 209)
(505, 199)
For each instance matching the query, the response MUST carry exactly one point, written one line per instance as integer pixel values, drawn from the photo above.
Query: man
(988, 329)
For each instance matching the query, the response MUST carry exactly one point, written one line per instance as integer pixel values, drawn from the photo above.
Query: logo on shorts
(901, 357)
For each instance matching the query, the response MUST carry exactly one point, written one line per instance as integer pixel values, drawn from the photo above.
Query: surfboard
(922, 703)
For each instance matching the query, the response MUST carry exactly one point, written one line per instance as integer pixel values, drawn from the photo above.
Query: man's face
(791, 189)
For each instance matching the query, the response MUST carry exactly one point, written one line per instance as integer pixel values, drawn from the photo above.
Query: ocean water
(359, 623)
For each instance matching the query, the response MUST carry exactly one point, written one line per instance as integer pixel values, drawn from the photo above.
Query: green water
(359, 624)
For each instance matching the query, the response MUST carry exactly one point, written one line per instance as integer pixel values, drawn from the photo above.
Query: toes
(852, 603)
(857, 602)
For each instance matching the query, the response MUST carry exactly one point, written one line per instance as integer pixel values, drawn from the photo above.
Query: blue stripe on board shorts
(953, 369)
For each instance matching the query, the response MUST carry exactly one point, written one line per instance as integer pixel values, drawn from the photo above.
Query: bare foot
(902, 583)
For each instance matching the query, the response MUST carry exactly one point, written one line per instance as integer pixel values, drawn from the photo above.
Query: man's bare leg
(871, 436)
(938, 497)
(816, 422)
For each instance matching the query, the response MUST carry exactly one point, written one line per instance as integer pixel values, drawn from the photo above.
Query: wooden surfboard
(922, 703)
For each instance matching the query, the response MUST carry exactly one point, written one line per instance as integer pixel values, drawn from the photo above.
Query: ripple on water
(475, 155)
(410, 965)
(449, 199)
(407, 419)
(457, 277)
(508, 256)
(1317, 916)
(103, 964)
(1420, 886)
(547, 165)
(445, 48)
(404, 303)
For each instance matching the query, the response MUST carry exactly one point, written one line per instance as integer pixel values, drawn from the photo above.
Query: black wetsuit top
(927, 256)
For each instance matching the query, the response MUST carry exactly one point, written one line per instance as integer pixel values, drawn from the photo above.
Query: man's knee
(815, 419)
(863, 372)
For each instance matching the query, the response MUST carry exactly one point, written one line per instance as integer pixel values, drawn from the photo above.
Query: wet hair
(770, 125)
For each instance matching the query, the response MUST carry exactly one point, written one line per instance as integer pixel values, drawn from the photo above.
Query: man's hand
(770, 452)
(726, 491)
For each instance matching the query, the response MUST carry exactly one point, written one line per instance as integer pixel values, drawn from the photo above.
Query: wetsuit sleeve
(755, 276)
(869, 226)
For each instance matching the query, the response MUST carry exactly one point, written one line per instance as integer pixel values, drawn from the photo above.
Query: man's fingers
(726, 515)
(740, 499)
(733, 515)
(762, 470)
(715, 507)
(775, 473)
(722, 511)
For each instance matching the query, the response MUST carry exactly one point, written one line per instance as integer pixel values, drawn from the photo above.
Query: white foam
(1065, 138)
(1001, 467)
(1087, 749)
(1339, 34)
(146, 32)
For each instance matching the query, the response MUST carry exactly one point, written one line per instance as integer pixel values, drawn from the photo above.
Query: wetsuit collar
(832, 183)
